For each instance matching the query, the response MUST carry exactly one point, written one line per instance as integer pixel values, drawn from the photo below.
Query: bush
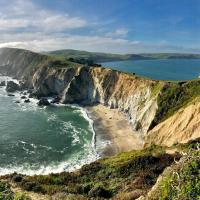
(5, 191)
(100, 191)
(20, 196)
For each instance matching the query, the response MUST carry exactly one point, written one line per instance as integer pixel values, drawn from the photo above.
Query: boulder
(29, 91)
(12, 86)
(11, 95)
(17, 101)
(56, 99)
(43, 102)
(27, 101)
(3, 83)
(23, 97)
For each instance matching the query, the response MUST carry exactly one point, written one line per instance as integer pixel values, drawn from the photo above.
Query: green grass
(156, 89)
(127, 175)
(183, 182)
(174, 96)
(105, 178)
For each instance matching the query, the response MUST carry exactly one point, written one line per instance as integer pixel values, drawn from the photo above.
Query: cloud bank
(24, 24)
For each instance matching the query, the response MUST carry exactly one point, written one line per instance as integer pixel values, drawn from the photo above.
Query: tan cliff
(129, 94)
(182, 127)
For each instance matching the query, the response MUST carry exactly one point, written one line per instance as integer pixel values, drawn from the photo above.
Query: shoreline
(113, 132)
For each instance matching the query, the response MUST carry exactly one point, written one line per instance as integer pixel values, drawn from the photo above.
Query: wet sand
(114, 134)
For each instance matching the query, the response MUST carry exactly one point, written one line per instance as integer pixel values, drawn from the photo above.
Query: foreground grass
(123, 177)
(7, 194)
(182, 180)
(131, 173)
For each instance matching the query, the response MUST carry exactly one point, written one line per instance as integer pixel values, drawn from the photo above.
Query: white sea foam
(72, 163)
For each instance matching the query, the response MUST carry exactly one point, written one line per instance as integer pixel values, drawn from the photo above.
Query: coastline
(114, 134)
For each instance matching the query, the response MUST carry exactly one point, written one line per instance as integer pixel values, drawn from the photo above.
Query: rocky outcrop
(43, 102)
(12, 86)
(21, 64)
(2, 83)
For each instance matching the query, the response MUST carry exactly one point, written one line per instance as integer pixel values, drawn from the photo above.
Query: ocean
(163, 69)
(42, 140)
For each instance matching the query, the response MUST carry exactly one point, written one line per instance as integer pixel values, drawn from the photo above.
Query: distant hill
(106, 57)
(95, 56)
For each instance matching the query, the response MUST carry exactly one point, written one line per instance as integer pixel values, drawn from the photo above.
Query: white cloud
(25, 25)
(121, 32)
(44, 42)
(25, 14)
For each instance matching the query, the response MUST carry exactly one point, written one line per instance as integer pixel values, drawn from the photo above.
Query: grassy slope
(181, 181)
(173, 96)
(125, 176)
(134, 171)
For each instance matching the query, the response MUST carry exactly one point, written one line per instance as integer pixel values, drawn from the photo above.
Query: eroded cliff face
(88, 86)
(182, 127)
(21, 64)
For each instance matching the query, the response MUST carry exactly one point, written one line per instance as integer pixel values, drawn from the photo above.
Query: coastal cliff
(145, 103)
(89, 86)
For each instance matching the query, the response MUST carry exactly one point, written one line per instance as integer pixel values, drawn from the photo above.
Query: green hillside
(106, 57)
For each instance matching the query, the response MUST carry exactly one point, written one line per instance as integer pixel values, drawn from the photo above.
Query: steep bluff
(88, 86)
(182, 127)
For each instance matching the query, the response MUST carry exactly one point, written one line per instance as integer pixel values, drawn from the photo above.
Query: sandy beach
(114, 134)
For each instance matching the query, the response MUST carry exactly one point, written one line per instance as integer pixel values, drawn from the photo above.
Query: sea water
(163, 69)
(42, 140)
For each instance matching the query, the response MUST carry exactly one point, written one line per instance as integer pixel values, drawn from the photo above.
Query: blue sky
(115, 26)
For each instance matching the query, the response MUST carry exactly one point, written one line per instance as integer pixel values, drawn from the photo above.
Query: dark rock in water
(24, 93)
(33, 95)
(17, 101)
(22, 86)
(23, 97)
(3, 83)
(11, 95)
(43, 102)
(12, 86)
(27, 101)
(56, 99)
(29, 91)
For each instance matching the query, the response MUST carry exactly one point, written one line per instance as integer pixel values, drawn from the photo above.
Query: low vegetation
(131, 173)
(123, 177)
(7, 194)
(182, 180)
(173, 96)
